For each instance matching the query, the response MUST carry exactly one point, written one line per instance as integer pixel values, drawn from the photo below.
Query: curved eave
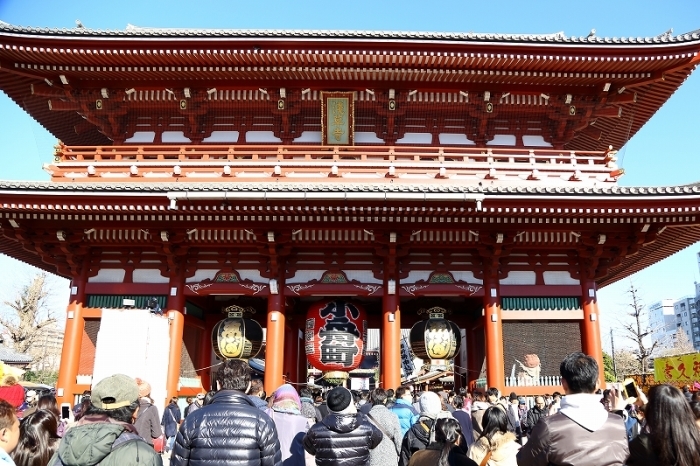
(672, 240)
(652, 67)
(13, 249)
(135, 32)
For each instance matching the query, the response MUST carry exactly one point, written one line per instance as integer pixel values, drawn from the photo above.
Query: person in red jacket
(11, 391)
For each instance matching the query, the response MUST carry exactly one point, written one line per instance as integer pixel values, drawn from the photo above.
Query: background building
(662, 321)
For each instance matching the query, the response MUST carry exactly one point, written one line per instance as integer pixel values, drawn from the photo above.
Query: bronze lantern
(237, 337)
(435, 338)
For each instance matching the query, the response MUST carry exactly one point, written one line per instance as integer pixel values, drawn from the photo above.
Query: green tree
(44, 377)
(609, 368)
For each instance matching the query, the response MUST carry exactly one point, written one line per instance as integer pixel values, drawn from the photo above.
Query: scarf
(286, 400)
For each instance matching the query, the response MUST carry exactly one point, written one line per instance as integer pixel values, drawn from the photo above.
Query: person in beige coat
(495, 441)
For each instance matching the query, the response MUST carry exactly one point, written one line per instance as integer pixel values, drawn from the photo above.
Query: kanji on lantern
(335, 335)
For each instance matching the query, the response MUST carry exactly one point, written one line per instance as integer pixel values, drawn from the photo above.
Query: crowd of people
(239, 424)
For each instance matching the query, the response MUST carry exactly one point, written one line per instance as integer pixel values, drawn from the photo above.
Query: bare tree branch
(28, 316)
(638, 330)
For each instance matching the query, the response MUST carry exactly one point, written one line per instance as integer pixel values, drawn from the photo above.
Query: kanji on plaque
(684, 368)
(335, 335)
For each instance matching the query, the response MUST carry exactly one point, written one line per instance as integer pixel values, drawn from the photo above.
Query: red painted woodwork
(274, 351)
(389, 210)
(70, 354)
(390, 351)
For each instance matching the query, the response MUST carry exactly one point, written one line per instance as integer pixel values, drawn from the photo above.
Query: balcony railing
(352, 163)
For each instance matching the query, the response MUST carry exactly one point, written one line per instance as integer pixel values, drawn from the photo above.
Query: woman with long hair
(38, 439)
(445, 450)
(48, 403)
(671, 438)
(495, 445)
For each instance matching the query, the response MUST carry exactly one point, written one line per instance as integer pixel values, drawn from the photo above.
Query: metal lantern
(435, 338)
(236, 337)
(335, 338)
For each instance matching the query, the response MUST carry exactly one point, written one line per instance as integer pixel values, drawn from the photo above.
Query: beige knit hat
(144, 387)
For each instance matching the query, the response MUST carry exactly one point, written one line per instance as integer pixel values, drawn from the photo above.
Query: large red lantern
(335, 338)
(435, 338)
(236, 337)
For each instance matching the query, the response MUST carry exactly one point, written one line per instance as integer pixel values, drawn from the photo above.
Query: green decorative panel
(117, 301)
(441, 278)
(541, 304)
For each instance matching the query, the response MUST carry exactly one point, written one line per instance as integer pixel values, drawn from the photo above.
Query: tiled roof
(42, 187)
(9, 356)
(558, 37)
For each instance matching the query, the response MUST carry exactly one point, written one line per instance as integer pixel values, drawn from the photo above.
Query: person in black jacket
(344, 437)
(230, 430)
(170, 422)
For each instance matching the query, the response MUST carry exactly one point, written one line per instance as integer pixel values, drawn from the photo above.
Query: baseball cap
(114, 392)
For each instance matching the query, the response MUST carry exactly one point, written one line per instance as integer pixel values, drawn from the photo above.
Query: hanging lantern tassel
(335, 377)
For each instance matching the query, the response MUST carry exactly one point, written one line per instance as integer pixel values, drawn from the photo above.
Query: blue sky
(664, 152)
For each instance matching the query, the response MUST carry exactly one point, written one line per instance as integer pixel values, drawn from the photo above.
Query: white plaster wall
(222, 136)
(305, 276)
(467, 276)
(520, 278)
(108, 276)
(253, 275)
(363, 276)
(559, 278)
(149, 276)
(203, 274)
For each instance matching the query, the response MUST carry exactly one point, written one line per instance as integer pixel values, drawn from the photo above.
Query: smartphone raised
(630, 389)
(65, 411)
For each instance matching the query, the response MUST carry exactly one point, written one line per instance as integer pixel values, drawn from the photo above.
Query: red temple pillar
(274, 342)
(70, 354)
(493, 331)
(72, 340)
(590, 325)
(176, 318)
(391, 337)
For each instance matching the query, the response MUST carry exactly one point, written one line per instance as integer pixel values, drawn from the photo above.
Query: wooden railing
(207, 161)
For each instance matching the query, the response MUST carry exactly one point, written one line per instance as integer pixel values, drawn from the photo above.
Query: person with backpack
(105, 434)
(171, 421)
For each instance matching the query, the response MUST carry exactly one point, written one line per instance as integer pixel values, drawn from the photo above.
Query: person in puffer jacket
(230, 430)
(344, 437)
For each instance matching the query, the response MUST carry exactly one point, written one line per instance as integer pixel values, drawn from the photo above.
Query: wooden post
(391, 340)
(70, 353)
(590, 326)
(493, 331)
(176, 305)
(274, 346)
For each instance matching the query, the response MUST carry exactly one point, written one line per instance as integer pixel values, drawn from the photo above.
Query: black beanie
(338, 399)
